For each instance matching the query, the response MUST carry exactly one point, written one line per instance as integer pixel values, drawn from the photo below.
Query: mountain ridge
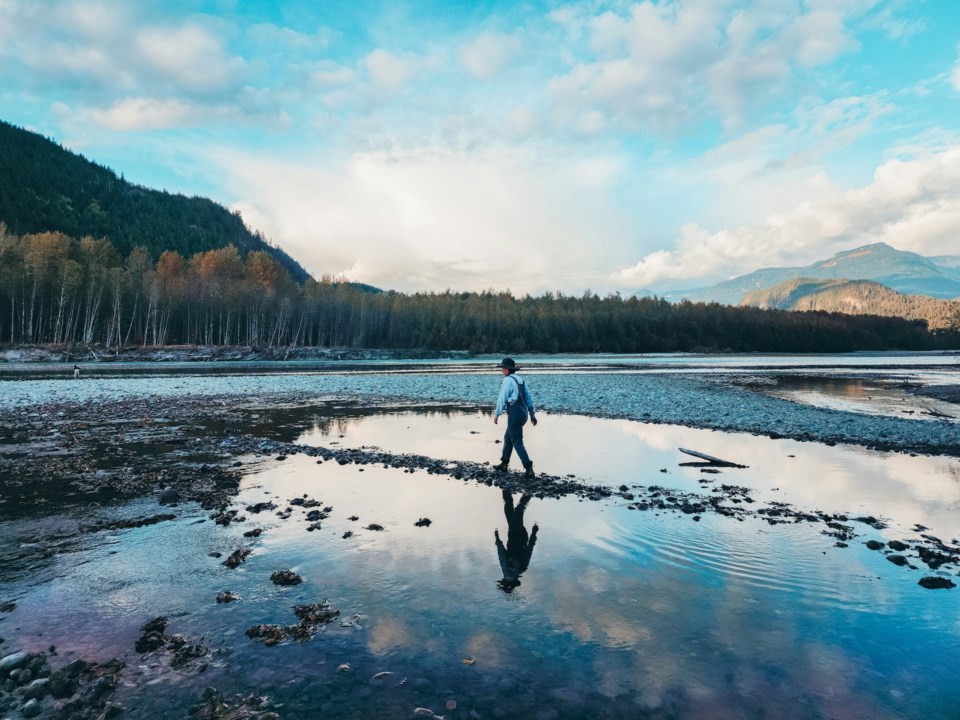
(903, 271)
(856, 297)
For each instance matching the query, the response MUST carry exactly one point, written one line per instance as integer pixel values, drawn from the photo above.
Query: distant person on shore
(76, 372)
(515, 400)
(515, 556)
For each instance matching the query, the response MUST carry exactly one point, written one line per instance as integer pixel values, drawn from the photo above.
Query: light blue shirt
(510, 393)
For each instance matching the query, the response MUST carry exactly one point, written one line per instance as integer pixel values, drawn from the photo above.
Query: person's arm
(501, 550)
(531, 408)
(504, 397)
(527, 552)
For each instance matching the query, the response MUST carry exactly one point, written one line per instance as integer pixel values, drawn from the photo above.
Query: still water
(617, 613)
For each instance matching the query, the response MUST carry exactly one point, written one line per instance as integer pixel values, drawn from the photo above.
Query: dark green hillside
(44, 187)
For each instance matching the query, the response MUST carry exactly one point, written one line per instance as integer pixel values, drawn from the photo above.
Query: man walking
(516, 401)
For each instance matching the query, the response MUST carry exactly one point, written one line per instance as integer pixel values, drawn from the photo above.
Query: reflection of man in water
(515, 557)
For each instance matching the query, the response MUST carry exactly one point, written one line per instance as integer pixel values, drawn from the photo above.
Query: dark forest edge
(62, 291)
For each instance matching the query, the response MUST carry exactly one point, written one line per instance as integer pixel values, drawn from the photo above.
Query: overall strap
(521, 391)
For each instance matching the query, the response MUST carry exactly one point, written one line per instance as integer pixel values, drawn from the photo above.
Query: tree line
(55, 289)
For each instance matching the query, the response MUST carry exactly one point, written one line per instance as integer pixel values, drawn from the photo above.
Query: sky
(523, 146)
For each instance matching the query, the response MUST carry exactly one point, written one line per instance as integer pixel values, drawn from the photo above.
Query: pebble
(37, 689)
(14, 661)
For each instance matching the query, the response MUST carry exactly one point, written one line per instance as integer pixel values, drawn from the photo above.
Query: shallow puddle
(899, 488)
(863, 396)
(617, 613)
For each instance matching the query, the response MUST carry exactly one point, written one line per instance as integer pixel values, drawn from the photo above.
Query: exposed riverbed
(653, 586)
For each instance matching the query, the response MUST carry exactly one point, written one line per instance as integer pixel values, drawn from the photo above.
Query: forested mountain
(857, 297)
(47, 188)
(905, 272)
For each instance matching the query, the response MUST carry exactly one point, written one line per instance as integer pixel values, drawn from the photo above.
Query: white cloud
(96, 54)
(522, 122)
(955, 75)
(663, 65)
(818, 37)
(328, 74)
(389, 71)
(899, 28)
(282, 39)
(105, 45)
(489, 53)
(144, 113)
(147, 114)
(189, 58)
(912, 204)
(440, 221)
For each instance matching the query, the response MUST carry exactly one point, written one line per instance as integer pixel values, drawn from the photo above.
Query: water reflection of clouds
(855, 395)
(904, 489)
(719, 653)
(716, 619)
(390, 633)
(897, 486)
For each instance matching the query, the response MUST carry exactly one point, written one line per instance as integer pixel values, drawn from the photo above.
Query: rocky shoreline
(206, 353)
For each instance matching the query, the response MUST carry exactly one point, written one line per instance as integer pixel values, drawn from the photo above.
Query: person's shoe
(500, 467)
(529, 473)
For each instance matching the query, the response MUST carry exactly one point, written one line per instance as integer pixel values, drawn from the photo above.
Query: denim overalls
(516, 419)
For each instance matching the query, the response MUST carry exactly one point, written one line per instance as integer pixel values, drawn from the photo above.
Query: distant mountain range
(899, 270)
(45, 187)
(856, 297)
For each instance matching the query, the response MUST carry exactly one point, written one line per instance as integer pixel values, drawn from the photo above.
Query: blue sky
(531, 146)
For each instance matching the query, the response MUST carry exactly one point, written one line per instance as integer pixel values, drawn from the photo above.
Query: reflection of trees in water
(288, 424)
(340, 424)
(332, 425)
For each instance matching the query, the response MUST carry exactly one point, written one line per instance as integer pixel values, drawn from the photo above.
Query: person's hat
(508, 364)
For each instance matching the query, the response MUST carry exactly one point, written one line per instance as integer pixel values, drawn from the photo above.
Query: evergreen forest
(56, 289)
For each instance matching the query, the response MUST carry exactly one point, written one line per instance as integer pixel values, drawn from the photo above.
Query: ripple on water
(795, 559)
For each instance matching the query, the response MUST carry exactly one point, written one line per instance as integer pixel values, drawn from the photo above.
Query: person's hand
(534, 421)
(496, 534)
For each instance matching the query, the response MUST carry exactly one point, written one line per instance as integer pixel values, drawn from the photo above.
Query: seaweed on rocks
(311, 616)
(214, 706)
(182, 651)
(128, 523)
(237, 557)
(152, 637)
(285, 577)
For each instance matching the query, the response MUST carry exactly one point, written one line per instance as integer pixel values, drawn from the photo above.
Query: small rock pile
(311, 616)
(77, 691)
